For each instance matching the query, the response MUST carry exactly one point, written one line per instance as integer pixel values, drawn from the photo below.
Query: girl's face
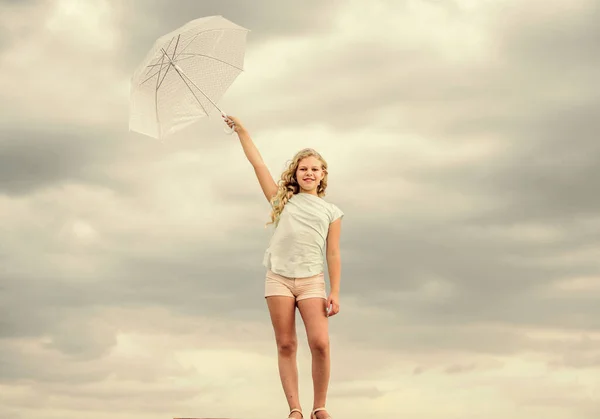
(309, 174)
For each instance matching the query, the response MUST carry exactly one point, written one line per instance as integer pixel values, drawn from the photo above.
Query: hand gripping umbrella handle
(227, 130)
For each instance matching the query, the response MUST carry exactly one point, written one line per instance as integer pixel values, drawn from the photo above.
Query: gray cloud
(474, 266)
(544, 64)
(483, 278)
(433, 282)
(11, 3)
(553, 174)
(574, 38)
(13, 31)
(32, 158)
(145, 21)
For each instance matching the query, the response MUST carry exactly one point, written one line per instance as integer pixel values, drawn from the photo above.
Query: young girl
(307, 228)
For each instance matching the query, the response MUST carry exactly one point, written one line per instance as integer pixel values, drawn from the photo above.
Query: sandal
(318, 409)
(295, 410)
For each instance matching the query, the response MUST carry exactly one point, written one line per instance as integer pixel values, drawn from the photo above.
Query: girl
(306, 228)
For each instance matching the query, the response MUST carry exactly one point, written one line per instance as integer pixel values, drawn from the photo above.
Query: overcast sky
(462, 142)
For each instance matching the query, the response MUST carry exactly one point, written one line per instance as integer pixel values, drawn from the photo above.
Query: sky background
(462, 142)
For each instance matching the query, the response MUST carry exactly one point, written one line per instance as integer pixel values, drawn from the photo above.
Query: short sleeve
(335, 213)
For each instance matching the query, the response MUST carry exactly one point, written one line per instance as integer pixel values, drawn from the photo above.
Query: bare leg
(314, 314)
(283, 316)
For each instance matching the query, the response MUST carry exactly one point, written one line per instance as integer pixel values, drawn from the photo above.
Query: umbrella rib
(191, 90)
(208, 56)
(184, 77)
(182, 59)
(157, 58)
(152, 76)
(156, 65)
(159, 81)
(189, 55)
(210, 30)
(175, 57)
(162, 59)
(174, 49)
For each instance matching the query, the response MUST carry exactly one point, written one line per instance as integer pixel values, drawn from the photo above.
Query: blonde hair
(288, 184)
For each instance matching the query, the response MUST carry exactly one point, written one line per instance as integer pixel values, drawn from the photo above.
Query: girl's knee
(287, 347)
(320, 345)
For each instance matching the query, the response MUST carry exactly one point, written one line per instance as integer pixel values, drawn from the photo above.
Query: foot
(320, 413)
(295, 414)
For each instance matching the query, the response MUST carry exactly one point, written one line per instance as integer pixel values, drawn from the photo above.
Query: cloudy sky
(462, 140)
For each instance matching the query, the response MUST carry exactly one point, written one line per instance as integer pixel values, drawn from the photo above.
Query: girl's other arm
(334, 263)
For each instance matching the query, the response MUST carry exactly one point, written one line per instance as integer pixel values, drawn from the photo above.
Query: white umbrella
(185, 74)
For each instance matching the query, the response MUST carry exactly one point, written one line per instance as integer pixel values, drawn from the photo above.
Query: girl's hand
(234, 123)
(333, 304)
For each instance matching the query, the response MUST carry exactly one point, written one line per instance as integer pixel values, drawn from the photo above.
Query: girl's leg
(283, 316)
(314, 314)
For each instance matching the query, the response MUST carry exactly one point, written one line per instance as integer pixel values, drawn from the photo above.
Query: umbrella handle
(227, 130)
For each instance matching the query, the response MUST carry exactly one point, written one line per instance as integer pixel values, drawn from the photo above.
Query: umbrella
(185, 74)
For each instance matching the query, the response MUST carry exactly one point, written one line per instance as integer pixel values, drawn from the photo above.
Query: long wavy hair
(288, 184)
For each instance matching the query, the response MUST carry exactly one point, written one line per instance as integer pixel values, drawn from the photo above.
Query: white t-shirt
(297, 247)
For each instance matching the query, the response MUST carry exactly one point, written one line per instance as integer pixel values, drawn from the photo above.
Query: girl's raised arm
(265, 179)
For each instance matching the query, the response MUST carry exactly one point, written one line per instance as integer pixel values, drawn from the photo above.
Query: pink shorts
(298, 288)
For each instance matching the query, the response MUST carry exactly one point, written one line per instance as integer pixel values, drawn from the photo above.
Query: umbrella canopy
(185, 74)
